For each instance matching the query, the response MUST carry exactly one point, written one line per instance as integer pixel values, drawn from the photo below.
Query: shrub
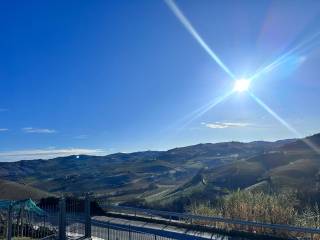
(281, 208)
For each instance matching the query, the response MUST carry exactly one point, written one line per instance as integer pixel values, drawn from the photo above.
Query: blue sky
(98, 77)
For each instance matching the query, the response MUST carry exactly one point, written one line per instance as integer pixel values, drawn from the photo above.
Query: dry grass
(17, 191)
(261, 207)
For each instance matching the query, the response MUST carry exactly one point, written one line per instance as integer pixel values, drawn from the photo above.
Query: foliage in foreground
(261, 207)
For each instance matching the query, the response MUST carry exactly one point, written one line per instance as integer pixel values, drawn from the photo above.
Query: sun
(241, 85)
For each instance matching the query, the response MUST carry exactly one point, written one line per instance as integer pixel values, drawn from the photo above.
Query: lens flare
(306, 44)
(186, 23)
(284, 123)
(241, 85)
(202, 110)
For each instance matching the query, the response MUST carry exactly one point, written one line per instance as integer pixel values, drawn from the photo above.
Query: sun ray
(284, 123)
(202, 110)
(285, 57)
(186, 23)
(241, 85)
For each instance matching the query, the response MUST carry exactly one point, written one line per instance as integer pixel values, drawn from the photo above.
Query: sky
(98, 77)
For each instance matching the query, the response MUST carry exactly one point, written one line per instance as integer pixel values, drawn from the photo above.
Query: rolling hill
(292, 166)
(125, 176)
(201, 171)
(14, 191)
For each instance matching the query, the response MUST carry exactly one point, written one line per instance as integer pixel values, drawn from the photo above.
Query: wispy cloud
(83, 136)
(4, 129)
(47, 153)
(38, 130)
(3, 109)
(221, 125)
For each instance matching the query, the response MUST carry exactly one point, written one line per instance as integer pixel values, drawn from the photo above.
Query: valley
(177, 177)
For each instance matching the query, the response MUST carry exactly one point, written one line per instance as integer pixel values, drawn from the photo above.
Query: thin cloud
(46, 153)
(221, 125)
(4, 129)
(38, 130)
(83, 136)
(3, 109)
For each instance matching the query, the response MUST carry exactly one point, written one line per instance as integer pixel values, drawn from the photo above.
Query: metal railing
(51, 218)
(21, 222)
(64, 218)
(191, 219)
(72, 218)
(109, 231)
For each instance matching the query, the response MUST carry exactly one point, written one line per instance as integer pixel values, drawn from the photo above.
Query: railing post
(88, 217)
(62, 219)
(108, 230)
(9, 225)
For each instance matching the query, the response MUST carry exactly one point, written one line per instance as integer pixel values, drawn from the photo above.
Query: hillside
(201, 171)
(292, 166)
(126, 176)
(14, 191)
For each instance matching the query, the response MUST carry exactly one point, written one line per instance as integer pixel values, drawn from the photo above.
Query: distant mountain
(202, 169)
(291, 165)
(302, 144)
(14, 191)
